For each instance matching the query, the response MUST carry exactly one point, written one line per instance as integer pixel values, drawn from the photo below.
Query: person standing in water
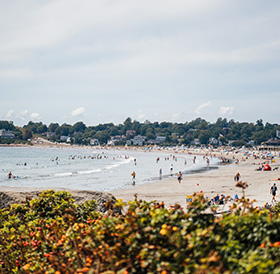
(133, 174)
(10, 175)
(171, 170)
(160, 174)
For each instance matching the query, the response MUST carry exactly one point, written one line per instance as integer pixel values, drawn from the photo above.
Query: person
(160, 174)
(273, 190)
(133, 174)
(216, 198)
(221, 199)
(179, 177)
(171, 170)
(10, 175)
(277, 179)
(237, 176)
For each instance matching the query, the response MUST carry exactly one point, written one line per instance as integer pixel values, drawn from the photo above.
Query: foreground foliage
(51, 234)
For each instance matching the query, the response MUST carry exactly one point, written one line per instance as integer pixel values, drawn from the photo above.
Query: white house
(6, 134)
(94, 142)
(138, 140)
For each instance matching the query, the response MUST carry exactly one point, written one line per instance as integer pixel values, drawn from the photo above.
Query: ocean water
(89, 168)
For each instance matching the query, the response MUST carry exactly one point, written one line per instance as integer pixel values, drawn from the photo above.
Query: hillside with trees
(198, 131)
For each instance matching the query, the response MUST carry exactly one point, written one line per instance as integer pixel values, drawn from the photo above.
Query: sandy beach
(217, 181)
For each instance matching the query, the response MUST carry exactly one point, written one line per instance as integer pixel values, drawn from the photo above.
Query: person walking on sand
(179, 177)
(237, 176)
(273, 192)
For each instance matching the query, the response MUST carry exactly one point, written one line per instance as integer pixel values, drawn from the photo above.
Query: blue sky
(103, 61)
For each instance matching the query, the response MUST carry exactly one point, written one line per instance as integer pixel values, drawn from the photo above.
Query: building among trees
(6, 134)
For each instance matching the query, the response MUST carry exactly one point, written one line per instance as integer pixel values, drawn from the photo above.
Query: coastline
(214, 181)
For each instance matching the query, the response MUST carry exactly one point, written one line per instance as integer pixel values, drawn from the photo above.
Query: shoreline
(217, 180)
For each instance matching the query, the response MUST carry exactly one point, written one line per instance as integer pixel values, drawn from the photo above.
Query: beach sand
(217, 181)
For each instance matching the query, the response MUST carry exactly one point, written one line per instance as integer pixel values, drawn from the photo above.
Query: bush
(51, 234)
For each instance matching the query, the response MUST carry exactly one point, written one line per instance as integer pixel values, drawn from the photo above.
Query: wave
(89, 171)
(63, 174)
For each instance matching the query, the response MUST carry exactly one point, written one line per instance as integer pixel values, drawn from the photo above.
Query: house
(158, 140)
(6, 134)
(114, 139)
(94, 142)
(64, 138)
(273, 142)
(278, 134)
(196, 142)
(213, 142)
(138, 140)
(161, 139)
(49, 134)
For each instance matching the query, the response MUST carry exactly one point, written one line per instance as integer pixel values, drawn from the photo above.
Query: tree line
(175, 133)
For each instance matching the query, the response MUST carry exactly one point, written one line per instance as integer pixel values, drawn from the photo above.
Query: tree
(103, 136)
(27, 134)
(127, 124)
(63, 130)
(79, 127)
(7, 125)
(42, 129)
(53, 127)
(204, 137)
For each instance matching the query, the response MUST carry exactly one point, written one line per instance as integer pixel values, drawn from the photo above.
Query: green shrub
(51, 234)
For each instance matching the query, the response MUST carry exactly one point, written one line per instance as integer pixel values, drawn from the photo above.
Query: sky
(65, 61)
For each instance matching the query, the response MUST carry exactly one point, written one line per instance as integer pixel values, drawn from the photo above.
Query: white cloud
(24, 113)
(78, 112)
(35, 116)
(10, 114)
(203, 106)
(225, 110)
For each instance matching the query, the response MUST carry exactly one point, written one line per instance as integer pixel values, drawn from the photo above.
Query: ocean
(91, 168)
